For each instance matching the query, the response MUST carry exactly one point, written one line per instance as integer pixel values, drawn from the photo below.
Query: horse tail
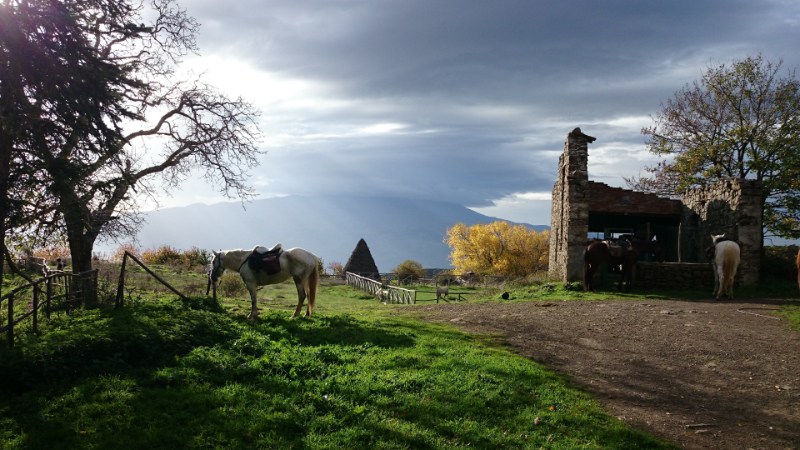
(313, 280)
(729, 267)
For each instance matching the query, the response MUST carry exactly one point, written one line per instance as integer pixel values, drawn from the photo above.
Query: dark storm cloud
(485, 91)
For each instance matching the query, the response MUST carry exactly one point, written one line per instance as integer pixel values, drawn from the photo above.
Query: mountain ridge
(395, 229)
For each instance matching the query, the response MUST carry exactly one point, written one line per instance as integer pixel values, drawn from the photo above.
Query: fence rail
(391, 294)
(71, 289)
(120, 299)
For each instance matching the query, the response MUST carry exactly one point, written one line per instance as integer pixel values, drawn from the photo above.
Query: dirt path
(700, 374)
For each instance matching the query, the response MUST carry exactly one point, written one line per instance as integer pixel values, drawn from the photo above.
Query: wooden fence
(121, 287)
(390, 294)
(70, 290)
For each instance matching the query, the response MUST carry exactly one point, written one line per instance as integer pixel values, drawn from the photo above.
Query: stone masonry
(731, 206)
(569, 222)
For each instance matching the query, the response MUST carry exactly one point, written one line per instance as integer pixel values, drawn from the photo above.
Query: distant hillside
(394, 229)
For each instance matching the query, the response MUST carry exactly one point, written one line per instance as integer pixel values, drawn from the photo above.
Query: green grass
(792, 314)
(192, 374)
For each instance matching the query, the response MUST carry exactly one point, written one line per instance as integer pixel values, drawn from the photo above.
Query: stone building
(683, 227)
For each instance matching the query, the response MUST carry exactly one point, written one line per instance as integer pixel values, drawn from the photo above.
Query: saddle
(617, 249)
(265, 260)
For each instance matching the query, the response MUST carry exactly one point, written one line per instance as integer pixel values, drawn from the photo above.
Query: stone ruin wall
(697, 276)
(731, 206)
(569, 219)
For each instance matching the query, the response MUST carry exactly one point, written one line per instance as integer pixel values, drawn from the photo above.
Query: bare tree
(186, 127)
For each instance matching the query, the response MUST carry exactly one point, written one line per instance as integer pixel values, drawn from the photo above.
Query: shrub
(231, 285)
(130, 248)
(164, 255)
(196, 257)
(409, 270)
(335, 267)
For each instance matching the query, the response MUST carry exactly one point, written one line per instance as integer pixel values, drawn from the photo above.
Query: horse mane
(231, 258)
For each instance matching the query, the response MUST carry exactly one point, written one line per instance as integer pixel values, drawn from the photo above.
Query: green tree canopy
(740, 120)
(409, 270)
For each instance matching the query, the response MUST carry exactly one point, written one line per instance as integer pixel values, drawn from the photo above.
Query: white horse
(726, 262)
(295, 263)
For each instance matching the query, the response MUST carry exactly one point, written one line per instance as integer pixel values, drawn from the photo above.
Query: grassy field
(166, 373)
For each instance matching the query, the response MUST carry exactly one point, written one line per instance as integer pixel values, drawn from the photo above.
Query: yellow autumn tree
(497, 249)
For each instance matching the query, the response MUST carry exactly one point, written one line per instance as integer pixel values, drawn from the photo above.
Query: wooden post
(48, 295)
(67, 291)
(94, 285)
(118, 304)
(35, 307)
(10, 332)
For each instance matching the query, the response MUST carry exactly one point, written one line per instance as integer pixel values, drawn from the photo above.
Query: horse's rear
(304, 268)
(727, 257)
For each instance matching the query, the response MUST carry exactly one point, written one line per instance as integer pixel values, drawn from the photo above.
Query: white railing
(390, 294)
(364, 284)
(400, 295)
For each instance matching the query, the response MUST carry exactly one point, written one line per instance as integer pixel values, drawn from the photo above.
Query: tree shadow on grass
(340, 329)
(140, 337)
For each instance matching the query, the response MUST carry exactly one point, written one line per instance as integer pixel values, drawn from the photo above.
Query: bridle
(218, 262)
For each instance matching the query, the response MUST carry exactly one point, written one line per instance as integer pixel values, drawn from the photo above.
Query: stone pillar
(569, 220)
(749, 223)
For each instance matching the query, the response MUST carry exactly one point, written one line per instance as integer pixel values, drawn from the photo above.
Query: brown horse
(598, 253)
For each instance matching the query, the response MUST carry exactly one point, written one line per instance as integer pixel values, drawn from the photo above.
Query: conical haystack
(361, 262)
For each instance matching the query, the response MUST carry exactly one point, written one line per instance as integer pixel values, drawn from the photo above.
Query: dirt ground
(701, 374)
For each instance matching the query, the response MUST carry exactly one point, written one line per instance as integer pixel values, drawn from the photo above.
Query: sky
(460, 100)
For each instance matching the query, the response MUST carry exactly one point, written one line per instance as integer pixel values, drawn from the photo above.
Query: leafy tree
(180, 127)
(741, 120)
(497, 249)
(409, 270)
(54, 89)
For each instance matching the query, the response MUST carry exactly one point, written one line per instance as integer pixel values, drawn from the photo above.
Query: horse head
(718, 238)
(216, 266)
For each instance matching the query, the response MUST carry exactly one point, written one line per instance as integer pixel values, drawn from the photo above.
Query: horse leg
(253, 289)
(301, 297)
(720, 285)
(590, 277)
(716, 279)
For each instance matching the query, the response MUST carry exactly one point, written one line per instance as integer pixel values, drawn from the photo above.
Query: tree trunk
(5, 170)
(81, 235)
